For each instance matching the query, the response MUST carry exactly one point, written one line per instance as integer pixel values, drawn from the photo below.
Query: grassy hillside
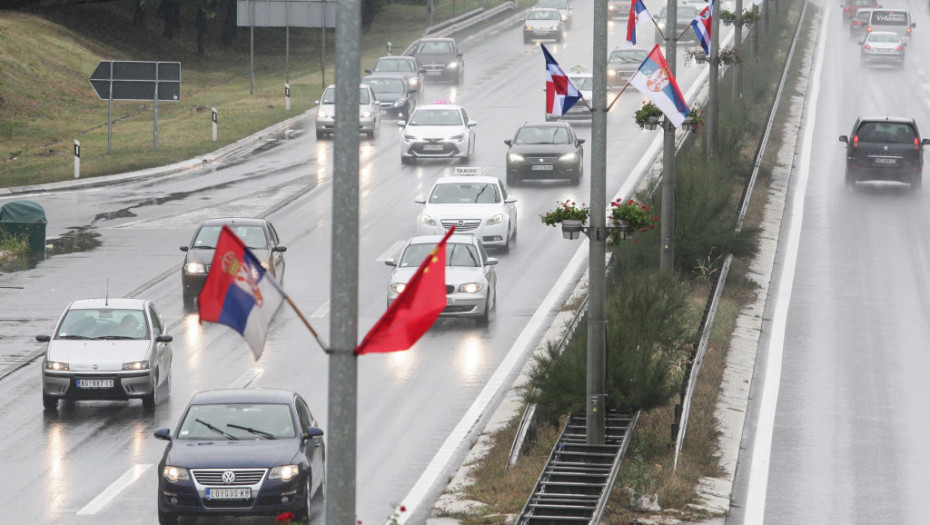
(46, 101)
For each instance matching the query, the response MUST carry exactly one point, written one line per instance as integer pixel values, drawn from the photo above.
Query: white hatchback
(437, 131)
(476, 204)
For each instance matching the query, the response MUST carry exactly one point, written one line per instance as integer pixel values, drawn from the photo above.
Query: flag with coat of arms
(638, 15)
(655, 81)
(702, 24)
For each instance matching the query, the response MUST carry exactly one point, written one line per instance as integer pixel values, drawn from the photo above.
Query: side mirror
(184, 248)
(313, 432)
(510, 200)
(390, 261)
(368, 71)
(419, 200)
(47, 338)
(472, 123)
(490, 262)
(164, 338)
(845, 139)
(924, 142)
(279, 249)
(508, 142)
(317, 102)
(401, 123)
(580, 141)
(163, 433)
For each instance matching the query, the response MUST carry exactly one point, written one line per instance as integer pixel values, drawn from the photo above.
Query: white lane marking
(247, 377)
(130, 476)
(762, 446)
(391, 252)
(322, 311)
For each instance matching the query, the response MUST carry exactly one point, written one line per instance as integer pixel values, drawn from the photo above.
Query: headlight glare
(136, 365)
(398, 287)
(195, 267)
(321, 114)
(470, 287)
(56, 365)
(453, 65)
(175, 474)
(515, 157)
(284, 472)
(567, 157)
(366, 114)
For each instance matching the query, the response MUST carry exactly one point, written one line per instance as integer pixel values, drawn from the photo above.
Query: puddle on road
(76, 240)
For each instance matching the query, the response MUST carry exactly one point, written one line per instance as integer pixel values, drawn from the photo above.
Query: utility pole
(343, 326)
(667, 225)
(737, 46)
(597, 239)
(713, 98)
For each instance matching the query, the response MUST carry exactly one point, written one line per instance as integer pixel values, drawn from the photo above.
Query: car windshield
(859, 3)
(389, 65)
(457, 254)
(103, 324)
(684, 13)
(437, 117)
(235, 421)
(329, 96)
(434, 48)
(583, 83)
(893, 132)
(884, 37)
(387, 85)
(252, 236)
(862, 15)
(542, 14)
(465, 193)
(557, 4)
(627, 56)
(542, 135)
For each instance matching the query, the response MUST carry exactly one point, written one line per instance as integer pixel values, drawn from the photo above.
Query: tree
(170, 12)
(229, 24)
(370, 9)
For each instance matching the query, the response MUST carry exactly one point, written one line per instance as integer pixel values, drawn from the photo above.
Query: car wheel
(559, 39)
(512, 179)
(526, 40)
(49, 402)
(167, 518)
(320, 134)
(461, 76)
(917, 182)
(406, 160)
(190, 300)
(303, 512)
(149, 401)
(850, 181)
(485, 317)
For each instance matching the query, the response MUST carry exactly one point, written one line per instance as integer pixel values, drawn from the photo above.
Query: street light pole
(667, 226)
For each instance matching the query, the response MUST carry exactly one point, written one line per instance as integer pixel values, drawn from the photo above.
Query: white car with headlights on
(107, 349)
(437, 131)
(369, 112)
(471, 282)
(476, 204)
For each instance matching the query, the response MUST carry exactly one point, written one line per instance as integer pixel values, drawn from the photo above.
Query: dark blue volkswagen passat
(241, 452)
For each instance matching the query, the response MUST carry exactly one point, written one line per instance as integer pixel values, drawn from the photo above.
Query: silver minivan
(895, 20)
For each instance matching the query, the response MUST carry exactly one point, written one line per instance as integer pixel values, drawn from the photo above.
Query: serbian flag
(701, 25)
(413, 312)
(561, 93)
(638, 15)
(238, 292)
(655, 81)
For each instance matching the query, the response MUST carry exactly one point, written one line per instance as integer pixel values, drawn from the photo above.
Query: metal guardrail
(473, 17)
(708, 321)
(575, 485)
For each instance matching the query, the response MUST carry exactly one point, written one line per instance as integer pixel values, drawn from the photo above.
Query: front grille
(214, 477)
(540, 160)
(434, 67)
(228, 503)
(466, 225)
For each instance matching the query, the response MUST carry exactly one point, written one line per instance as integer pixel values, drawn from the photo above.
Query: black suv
(440, 57)
(548, 150)
(884, 148)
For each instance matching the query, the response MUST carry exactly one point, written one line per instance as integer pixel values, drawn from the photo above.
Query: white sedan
(437, 131)
(476, 204)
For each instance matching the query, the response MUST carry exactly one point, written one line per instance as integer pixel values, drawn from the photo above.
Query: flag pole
(683, 33)
(659, 29)
(307, 323)
(618, 95)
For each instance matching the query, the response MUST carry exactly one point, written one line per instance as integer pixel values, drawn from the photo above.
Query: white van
(895, 20)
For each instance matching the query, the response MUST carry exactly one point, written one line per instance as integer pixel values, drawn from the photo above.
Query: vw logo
(229, 477)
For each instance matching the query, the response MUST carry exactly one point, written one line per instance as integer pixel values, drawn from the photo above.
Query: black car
(394, 94)
(406, 66)
(259, 236)
(548, 150)
(440, 57)
(241, 452)
(685, 14)
(884, 149)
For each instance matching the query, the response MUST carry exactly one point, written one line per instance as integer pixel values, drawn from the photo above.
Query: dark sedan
(394, 94)
(258, 234)
(545, 151)
(241, 452)
(440, 57)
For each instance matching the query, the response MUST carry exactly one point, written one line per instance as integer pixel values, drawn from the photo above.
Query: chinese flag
(414, 310)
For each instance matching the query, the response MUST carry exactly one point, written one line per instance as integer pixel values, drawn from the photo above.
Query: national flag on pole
(702, 27)
(238, 292)
(655, 81)
(413, 312)
(638, 15)
(561, 93)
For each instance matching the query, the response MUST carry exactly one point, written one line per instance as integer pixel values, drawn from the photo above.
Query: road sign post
(287, 96)
(213, 113)
(123, 80)
(77, 159)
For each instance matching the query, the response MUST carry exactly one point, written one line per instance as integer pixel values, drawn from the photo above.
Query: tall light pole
(713, 98)
(667, 225)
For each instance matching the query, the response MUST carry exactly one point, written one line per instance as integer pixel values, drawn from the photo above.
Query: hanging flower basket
(571, 228)
(728, 18)
(652, 123)
(648, 116)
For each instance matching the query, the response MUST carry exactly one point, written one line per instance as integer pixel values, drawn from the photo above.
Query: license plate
(95, 383)
(245, 493)
(885, 161)
(434, 72)
(448, 302)
(542, 167)
(432, 147)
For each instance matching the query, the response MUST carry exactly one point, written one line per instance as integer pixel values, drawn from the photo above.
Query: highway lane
(95, 462)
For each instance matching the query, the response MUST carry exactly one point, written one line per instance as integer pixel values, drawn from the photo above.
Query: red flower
(403, 508)
(284, 517)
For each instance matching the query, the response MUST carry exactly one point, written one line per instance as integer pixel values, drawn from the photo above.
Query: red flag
(415, 309)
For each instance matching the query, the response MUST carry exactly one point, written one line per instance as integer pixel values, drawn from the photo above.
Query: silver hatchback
(107, 349)
(882, 47)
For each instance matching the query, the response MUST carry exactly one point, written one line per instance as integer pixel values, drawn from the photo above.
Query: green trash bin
(25, 218)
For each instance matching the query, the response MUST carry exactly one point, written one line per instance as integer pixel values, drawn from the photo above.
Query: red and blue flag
(654, 80)
(638, 15)
(702, 27)
(561, 93)
(239, 292)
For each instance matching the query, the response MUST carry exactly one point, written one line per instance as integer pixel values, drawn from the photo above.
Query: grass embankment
(648, 466)
(46, 100)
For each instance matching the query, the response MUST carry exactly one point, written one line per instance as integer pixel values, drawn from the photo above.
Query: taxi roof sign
(468, 170)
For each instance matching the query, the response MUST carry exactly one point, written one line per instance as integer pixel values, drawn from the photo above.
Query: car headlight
(136, 365)
(611, 73)
(426, 220)
(515, 157)
(56, 365)
(175, 474)
(496, 219)
(470, 288)
(409, 138)
(399, 103)
(195, 267)
(413, 81)
(453, 65)
(457, 138)
(568, 157)
(284, 472)
(366, 114)
(397, 287)
(528, 28)
(322, 114)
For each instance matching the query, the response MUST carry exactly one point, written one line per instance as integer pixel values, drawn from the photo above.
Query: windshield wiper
(266, 435)
(217, 430)
(478, 195)
(74, 337)
(203, 247)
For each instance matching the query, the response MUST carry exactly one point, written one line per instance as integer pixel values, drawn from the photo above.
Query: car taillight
(855, 142)
(867, 46)
(869, 29)
(900, 48)
(908, 30)
(916, 143)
